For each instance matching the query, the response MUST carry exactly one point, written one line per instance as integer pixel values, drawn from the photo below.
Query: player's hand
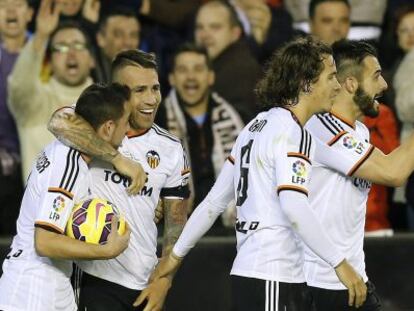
(47, 17)
(117, 243)
(166, 267)
(154, 295)
(159, 212)
(353, 281)
(133, 170)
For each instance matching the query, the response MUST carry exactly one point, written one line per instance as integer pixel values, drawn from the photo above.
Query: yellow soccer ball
(90, 221)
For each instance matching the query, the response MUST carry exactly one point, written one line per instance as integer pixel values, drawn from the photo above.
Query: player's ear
(106, 130)
(351, 84)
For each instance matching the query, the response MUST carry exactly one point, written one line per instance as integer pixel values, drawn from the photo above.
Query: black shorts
(328, 300)
(253, 294)
(100, 295)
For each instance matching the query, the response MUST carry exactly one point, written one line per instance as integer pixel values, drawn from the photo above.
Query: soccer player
(268, 174)
(346, 164)
(115, 284)
(37, 270)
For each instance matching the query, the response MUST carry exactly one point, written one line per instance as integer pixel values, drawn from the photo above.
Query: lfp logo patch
(349, 142)
(299, 168)
(59, 203)
(153, 159)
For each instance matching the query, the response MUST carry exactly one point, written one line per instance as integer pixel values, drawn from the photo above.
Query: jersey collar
(137, 133)
(344, 120)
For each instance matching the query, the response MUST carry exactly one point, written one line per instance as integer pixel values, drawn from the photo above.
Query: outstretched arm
(72, 130)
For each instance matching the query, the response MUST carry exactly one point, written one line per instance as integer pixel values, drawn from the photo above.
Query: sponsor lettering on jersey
(362, 184)
(153, 159)
(42, 162)
(117, 178)
(244, 226)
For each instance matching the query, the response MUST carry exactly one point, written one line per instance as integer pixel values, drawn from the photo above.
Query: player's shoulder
(163, 135)
(326, 126)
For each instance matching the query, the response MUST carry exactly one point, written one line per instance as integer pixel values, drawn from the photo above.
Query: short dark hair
(349, 55)
(116, 11)
(69, 24)
(314, 3)
(189, 47)
(291, 69)
(135, 58)
(233, 17)
(100, 102)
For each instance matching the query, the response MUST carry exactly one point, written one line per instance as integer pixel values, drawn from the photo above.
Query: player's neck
(346, 109)
(301, 112)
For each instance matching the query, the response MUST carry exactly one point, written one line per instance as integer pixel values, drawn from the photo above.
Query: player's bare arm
(72, 130)
(59, 246)
(175, 217)
(390, 170)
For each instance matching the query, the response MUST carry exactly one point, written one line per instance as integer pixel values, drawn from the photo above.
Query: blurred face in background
(119, 34)
(331, 21)
(70, 7)
(214, 30)
(14, 17)
(191, 77)
(70, 57)
(405, 32)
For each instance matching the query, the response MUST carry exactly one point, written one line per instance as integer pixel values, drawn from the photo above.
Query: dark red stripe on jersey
(299, 155)
(361, 161)
(292, 188)
(62, 191)
(49, 227)
(336, 138)
(231, 159)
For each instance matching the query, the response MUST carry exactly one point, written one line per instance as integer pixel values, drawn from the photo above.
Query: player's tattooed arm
(72, 130)
(175, 217)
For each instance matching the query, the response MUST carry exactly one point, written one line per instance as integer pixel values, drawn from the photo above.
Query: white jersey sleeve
(338, 148)
(57, 195)
(208, 210)
(293, 169)
(293, 164)
(176, 186)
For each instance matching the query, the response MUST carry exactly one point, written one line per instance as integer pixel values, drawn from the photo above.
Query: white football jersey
(338, 198)
(163, 159)
(57, 180)
(273, 153)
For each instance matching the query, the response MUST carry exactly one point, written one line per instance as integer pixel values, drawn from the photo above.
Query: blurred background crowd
(50, 51)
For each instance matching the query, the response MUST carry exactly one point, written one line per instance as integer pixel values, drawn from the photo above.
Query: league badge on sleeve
(299, 172)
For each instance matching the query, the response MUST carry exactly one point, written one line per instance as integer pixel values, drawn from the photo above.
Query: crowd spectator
(269, 26)
(206, 124)
(119, 30)
(236, 69)
(329, 20)
(14, 18)
(32, 101)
